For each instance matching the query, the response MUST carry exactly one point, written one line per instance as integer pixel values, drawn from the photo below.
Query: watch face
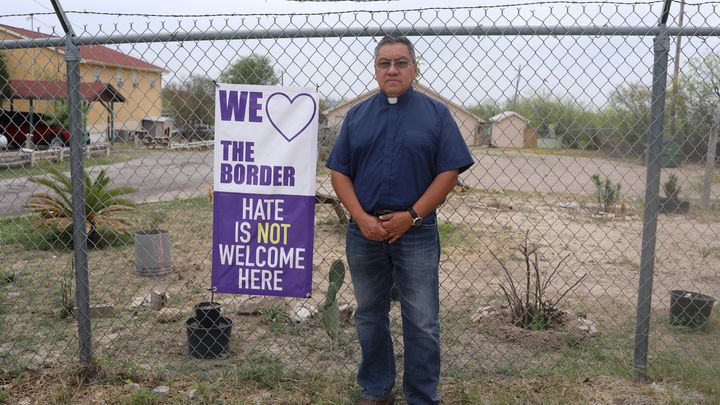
(417, 221)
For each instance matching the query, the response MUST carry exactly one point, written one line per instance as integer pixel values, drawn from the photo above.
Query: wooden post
(710, 160)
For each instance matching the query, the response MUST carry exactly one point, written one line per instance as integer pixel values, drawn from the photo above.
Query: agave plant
(102, 202)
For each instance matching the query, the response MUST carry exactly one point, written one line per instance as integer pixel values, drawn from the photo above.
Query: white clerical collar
(392, 100)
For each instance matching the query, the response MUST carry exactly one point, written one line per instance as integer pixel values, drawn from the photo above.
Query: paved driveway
(175, 175)
(169, 176)
(570, 174)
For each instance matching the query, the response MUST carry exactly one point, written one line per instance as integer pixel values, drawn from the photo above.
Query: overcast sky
(467, 70)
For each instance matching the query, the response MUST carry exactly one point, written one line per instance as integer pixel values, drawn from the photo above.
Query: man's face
(394, 70)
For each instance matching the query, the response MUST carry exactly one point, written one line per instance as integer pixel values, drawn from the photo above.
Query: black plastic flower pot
(673, 206)
(208, 343)
(690, 308)
(207, 313)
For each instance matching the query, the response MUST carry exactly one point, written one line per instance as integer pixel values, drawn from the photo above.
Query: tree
(57, 114)
(574, 123)
(191, 105)
(102, 203)
(487, 109)
(577, 126)
(4, 79)
(701, 93)
(252, 69)
(629, 115)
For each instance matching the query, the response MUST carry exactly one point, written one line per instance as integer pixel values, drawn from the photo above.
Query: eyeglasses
(399, 64)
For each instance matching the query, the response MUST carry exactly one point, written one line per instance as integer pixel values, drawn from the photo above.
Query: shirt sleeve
(453, 153)
(340, 156)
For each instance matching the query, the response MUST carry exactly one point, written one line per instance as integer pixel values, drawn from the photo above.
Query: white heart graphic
(290, 116)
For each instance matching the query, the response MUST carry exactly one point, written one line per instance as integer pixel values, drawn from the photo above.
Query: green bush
(607, 193)
(672, 191)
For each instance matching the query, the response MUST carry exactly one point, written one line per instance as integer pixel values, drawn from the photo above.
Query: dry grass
(275, 361)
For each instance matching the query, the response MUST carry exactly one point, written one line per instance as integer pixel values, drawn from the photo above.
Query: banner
(264, 190)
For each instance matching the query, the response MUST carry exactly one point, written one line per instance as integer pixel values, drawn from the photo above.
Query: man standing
(397, 157)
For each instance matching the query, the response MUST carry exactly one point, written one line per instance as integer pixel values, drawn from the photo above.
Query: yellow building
(139, 82)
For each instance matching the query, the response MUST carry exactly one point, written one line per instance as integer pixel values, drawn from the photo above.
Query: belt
(377, 213)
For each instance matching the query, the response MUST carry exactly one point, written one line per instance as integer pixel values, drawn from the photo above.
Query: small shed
(511, 130)
(157, 127)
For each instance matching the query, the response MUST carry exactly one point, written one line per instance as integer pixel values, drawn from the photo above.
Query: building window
(134, 80)
(152, 83)
(119, 78)
(97, 75)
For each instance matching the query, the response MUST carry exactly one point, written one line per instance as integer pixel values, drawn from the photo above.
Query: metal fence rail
(546, 95)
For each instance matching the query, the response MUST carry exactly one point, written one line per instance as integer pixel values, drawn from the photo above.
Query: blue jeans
(413, 261)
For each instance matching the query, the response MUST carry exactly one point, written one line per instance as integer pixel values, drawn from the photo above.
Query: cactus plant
(607, 194)
(329, 311)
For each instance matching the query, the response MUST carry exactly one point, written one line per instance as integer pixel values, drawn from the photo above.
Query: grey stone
(301, 312)
(484, 312)
(162, 390)
(254, 304)
(107, 339)
(192, 394)
(504, 311)
(587, 326)
(131, 388)
(138, 302)
(167, 315)
(99, 311)
(158, 299)
(346, 313)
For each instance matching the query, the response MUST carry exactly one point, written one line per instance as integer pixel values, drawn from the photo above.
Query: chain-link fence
(554, 101)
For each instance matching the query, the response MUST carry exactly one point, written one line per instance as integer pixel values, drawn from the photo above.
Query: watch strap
(416, 219)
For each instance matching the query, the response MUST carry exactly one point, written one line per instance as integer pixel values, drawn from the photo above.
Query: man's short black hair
(389, 40)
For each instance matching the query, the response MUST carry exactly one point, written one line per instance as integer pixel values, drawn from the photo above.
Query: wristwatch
(416, 219)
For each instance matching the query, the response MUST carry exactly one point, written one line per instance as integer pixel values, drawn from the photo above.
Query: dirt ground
(480, 229)
(572, 226)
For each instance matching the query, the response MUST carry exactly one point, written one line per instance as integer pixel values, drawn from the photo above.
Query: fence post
(77, 176)
(710, 160)
(661, 46)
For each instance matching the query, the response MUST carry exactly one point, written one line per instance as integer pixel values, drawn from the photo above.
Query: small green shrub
(276, 318)
(6, 277)
(607, 193)
(66, 292)
(672, 190)
(157, 220)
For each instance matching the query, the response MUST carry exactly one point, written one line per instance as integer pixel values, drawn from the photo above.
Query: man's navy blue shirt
(392, 152)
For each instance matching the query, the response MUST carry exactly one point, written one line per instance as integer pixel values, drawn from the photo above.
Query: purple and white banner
(264, 190)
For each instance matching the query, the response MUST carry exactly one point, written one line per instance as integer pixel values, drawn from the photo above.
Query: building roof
(419, 87)
(52, 90)
(505, 115)
(97, 54)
